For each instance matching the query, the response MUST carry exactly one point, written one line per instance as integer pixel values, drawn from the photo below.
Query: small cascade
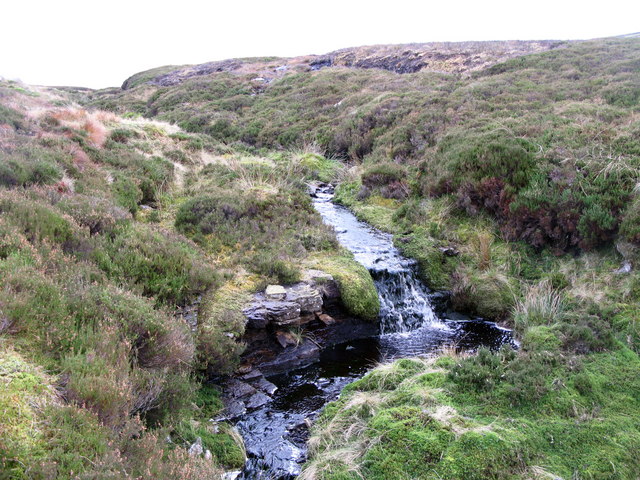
(404, 299)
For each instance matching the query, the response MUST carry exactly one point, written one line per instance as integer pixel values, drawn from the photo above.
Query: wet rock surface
(244, 394)
(287, 305)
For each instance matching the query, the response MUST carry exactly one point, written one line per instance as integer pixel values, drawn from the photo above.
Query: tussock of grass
(541, 305)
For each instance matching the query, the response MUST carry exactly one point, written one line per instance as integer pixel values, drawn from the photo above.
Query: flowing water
(276, 433)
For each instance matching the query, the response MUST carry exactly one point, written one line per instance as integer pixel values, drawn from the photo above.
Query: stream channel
(275, 435)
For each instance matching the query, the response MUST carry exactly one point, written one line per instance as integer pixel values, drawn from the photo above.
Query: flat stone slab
(262, 312)
(275, 292)
(257, 400)
(233, 409)
(265, 386)
(304, 354)
(309, 298)
(237, 389)
(252, 375)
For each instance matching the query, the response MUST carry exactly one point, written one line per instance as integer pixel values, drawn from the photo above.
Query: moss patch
(357, 291)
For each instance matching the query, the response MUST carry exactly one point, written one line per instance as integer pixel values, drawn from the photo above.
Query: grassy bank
(490, 416)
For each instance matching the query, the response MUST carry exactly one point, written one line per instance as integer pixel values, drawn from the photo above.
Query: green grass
(421, 422)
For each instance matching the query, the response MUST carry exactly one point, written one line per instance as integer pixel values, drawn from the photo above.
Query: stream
(275, 434)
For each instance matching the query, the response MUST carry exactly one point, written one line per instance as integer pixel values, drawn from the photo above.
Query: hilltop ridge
(449, 57)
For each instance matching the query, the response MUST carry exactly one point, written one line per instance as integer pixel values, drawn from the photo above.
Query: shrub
(622, 95)
(120, 356)
(177, 156)
(527, 377)
(157, 339)
(34, 306)
(97, 214)
(13, 118)
(123, 135)
(483, 371)
(163, 265)
(38, 222)
(387, 178)
(568, 209)
(16, 170)
(75, 440)
(583, 383)
(476, 157)
(583, 333)
(126, 193)
(100, 381)
(630, 225)
(281, 271)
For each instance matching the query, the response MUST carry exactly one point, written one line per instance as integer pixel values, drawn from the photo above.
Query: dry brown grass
(482, 243)
(96, 131)
(93, 123)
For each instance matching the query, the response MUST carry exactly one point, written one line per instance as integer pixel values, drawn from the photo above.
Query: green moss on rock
(357, 291)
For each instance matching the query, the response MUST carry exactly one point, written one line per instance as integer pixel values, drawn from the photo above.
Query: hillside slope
(512, 179)
(126, 263)
(451, 57)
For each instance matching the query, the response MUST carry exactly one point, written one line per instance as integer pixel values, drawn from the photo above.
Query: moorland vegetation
(121, 206)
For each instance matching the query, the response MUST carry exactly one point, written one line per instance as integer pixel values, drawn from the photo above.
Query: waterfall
(404, 299)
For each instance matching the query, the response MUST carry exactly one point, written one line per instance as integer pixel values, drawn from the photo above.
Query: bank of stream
(275, 433)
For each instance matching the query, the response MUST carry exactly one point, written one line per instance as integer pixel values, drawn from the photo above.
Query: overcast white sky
(100, 44)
